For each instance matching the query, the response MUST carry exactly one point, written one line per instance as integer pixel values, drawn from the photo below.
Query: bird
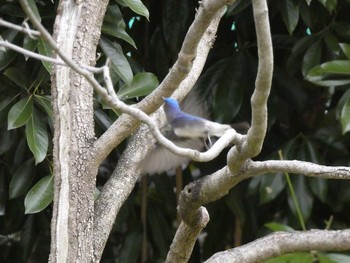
(186, 125)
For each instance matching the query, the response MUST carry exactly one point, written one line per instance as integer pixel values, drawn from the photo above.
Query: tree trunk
(77, 31)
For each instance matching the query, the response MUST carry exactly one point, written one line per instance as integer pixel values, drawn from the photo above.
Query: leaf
(34, 9)
(45, 50)
(303, 196)
(346, 49)
(21, 179)
(45, 103)
(290, 14)
(319, 187)
(6, 57)
(271, 185)
(119, 63)
(137, 6)
(332, 67)
(312, 57)
(329, 4)
(345, 117)
(3, 192)
(39, 196)
(37, 137)
(339, 258)
(142, 84)
(20, 113)
(114, 25)
(132, 243)
(17, 77)
(278, 227)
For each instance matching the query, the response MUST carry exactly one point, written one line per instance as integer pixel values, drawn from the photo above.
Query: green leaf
(332, 67)
(290, 14)
(20, 113)
(21, 179)
(114, 25)
(132, 243)
(303, 196)
(339, 258)
(346, 49)
(39, 196)
(329, 4)
(37, 137)
(45, 103)
(119, 33)
(271, 185)
(323, 258)
(6, 57)
(45, 50)
(345, 117)
(3, 191)
(17, 77)
(319, 187)
(278, 227)
(142, 84)
(34, 9)
(312, 57)
(137, 6)
(119, 62)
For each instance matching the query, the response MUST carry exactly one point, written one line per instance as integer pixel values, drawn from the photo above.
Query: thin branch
(126, 174)
(30, 32)
(257, 131)
(297, 167)
(280, 243)
(31, 54)
(113, 100)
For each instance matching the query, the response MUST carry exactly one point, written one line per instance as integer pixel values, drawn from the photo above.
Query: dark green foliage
(309, 119)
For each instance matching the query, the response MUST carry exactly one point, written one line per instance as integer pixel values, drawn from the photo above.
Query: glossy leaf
(278, 227)
(339, 258)
(290, 14)
(137, 6)
(332, 67)
(119, 62)
(303, 196)
(17, 77)
(20, 113)
(319, 187)
(6, 57)
(34, 9)
(345, 117)
(114, 25)
(45, 103)
(39, 196)
(142, 84)
(22, 179)
(131, 244)
(37, 138)
(329, 4)
(45, 50)
(6, 139)
(3, 191)
(271, 186)
(346, 49)
(312, 57)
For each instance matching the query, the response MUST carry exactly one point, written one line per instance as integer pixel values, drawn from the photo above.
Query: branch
(123, 179)
(257, 131)
(297, 167)
(280, 243)
(125, 125)
(30, 32)
(113, 100)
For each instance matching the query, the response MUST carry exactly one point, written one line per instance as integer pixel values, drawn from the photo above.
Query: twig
(25, 29)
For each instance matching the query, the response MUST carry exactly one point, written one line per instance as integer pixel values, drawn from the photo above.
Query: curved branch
(257, 131)
(279, 243)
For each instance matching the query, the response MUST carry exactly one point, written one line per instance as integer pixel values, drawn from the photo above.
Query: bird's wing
(161, 159)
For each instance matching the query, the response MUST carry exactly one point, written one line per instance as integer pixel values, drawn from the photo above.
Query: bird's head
(171, 108)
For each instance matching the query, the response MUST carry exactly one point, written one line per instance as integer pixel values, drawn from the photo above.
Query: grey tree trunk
(77, 31)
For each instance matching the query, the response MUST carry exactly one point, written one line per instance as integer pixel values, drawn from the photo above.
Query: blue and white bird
(186, 125)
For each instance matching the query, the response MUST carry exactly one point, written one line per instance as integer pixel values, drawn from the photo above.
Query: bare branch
(30, 32)
(298, 167)
(124, 177)
(257, 131)
(280, 243)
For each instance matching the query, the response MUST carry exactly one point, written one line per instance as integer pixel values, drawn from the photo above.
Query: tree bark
(77, 31)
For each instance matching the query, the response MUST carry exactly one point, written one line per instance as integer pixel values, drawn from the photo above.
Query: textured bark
(77, 30)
